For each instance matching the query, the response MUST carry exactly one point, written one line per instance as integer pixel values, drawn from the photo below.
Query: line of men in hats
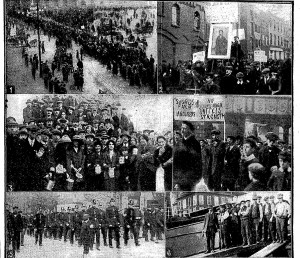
(250, 165)
(242, 78)
(100, 152)
(131, 62)
(86, 226)
(247, 223)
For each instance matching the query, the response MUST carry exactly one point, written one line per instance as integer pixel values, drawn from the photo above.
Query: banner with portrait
(220, 41)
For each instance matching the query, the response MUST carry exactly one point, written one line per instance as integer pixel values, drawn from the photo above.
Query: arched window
(175, 15)
(196, 21)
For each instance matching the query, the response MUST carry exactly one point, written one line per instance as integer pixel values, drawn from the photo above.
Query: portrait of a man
(219, 41)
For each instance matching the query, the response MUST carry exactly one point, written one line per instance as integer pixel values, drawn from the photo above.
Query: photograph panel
(235, 143)
(89, 142)
(90, 224)
(228, 224)
(91, 47)
(225, 47)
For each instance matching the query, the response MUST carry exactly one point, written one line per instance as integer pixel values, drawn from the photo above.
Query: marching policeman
(68, 230)
(17, 227)
(95, 230)
(130, 223)
(103, 224)
(113, 220)
(78, 217)
(148, 225)
(39, 224)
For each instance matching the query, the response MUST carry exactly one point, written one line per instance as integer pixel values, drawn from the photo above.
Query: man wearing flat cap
(268, 155)
(187, 160)
(281, 178)
(256, 216)
(232, 162)
(210, 87)
(264, 84)
(228, 81)
(256, 174)
(282, 213)
(241, 87)
(210, 228)
(217, 160)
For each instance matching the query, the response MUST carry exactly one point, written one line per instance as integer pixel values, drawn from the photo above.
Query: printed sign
(199, 108)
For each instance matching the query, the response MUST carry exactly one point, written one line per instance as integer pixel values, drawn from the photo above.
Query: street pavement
(60, 249)
(96, 78)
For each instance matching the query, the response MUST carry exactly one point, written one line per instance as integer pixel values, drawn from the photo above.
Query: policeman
(17, 227)
(39, 224)
(95, 230)
(85, 233)
(113, 220)
(159, 219)
(130, 223)
(78, 216)
(103, 224)
(68, 224)
(148, 225)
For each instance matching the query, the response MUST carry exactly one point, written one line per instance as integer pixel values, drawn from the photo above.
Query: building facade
(182, 30)
(264, 31)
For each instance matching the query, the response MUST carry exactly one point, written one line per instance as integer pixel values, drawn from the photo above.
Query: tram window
(201, 199)
(208, 200)
(223, 200)
(195, 200)
(216, 200)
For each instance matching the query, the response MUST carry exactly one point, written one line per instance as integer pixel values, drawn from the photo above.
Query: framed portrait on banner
(219, 41)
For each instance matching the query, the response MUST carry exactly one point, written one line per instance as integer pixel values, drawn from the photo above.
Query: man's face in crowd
(22, 136)
(29, 105)
(143, 142)
(161, 142)
(49, 123)
(12, 129)
(270, 143)
(104, 141)
(220, 33)
(70, 111)
(185, 130)
(56, 112)
(98, 148)
(125, 139)
(248, 149)
(230, 141)
(228, 71)
(284, 164)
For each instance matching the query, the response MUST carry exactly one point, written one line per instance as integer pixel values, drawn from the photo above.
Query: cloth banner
(199, 108)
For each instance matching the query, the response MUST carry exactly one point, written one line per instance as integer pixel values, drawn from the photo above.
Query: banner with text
(199, 108)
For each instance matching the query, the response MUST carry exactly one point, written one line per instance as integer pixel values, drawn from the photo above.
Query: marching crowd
(123, 57)
(65, 144)
(247, 223)
(234, 77)
(248, 164)
(85, 225)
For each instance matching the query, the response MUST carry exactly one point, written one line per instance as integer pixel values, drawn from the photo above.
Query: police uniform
(113, 220)
(95, 230)
(130, 223)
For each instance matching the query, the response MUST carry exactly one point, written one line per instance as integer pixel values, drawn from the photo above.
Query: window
(201, 199)
(175, 15)
(208, 200)
(189, 202)
(196, 21)
(195, 200)
(216, 200)
(223, 200)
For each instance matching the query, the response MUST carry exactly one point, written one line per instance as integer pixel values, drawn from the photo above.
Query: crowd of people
(247, 223)
(243, 77)
(248, 164)
(64, 145)
(125, 57)
(84, 225)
